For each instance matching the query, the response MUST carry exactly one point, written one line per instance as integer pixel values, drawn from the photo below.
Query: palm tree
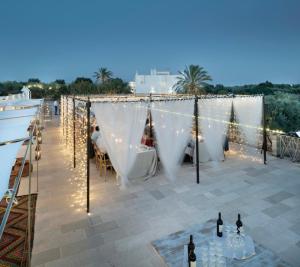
(192, 80)
(103, 75)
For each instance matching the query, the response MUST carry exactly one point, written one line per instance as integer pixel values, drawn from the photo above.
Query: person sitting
(95, 134)
(100, 144)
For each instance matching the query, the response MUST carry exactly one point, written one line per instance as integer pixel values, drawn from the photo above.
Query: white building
(26, 92)
(158, 82)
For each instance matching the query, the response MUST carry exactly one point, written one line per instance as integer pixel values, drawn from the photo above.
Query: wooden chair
(97, 156)
(105, 164)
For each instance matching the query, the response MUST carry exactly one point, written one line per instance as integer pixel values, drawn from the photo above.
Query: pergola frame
(88, 99)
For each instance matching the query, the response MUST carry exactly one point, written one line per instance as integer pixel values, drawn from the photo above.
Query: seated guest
(95, 134)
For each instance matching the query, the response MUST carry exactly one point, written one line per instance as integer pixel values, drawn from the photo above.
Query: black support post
(74, 135)
(197, 138)
(62, 106)
(67, 120)
(150, 118)
(265, 144)
(88, 140)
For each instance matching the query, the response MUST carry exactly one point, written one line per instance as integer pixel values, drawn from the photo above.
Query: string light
(78, 175)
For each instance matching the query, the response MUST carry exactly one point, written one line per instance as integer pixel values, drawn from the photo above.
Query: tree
(192, 80)
(115, 86)
(34, 80)
(83, 79)
(60, 81)
(103, 75)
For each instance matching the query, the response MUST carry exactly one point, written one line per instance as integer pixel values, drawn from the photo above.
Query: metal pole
(197, 138)
(37, 175)
(150, 118)
(74, 136)
(67, 124)
(63, 114)
(265, 144)
(88, 107)
(29, 198)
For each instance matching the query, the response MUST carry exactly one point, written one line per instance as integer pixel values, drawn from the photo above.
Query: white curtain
(8, 154)
(121, 125)
(214, 117)
(172, 121)
(248, 111)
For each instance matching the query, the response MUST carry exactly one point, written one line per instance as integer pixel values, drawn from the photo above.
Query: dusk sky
(236, 41)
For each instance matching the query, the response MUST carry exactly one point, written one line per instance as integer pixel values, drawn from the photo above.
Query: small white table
(145, 164)
(203, 152)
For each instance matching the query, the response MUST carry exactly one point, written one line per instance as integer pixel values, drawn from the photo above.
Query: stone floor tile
(101, 228)
(278, 197)
(45, 256)
(291, 255)
(80, 246)
(75, 225)
(296, 229)
(156, 194)
(276, 210)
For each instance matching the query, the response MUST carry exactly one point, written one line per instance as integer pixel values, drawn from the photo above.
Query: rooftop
(123, 223)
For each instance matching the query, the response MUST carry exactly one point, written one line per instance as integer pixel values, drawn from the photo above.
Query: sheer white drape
(121, 126)
(214, 116)
(172, 122)
(8, 154)
(248, 111)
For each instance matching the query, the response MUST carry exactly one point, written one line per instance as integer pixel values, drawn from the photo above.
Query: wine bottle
(219, 226)
(239, 224)
(191, 246)
(192, 258)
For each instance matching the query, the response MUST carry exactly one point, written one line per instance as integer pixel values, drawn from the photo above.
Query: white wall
(155, 83)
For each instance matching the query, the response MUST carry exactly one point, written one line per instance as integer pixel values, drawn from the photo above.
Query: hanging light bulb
(39, 137)
(38, 152)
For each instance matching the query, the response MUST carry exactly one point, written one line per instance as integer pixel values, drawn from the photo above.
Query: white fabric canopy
(14, 123)
(121, 126)
(10, 104)
(248, 111)
(8, 155)
(17, 113)
(172, 121)
(214, 116)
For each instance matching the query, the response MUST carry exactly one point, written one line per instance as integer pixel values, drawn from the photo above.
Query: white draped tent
(172, 122)
(214, 117)
(122, 125)
(122, 122)
(248, 112)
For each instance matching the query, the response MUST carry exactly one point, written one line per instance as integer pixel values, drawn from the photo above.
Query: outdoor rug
(171, 248)
(14, 242)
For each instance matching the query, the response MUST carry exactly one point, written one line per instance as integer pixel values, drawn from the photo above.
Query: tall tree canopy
(192, 80)
(103, 75)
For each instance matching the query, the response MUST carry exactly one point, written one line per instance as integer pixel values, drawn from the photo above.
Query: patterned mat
(14, 242)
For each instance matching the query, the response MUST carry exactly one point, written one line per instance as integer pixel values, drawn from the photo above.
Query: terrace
(72, 210)
(122, 224)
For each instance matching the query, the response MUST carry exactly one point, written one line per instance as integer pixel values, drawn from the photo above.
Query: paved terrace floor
(124, 222)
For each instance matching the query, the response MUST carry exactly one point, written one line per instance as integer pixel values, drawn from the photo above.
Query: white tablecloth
(145, 164)
(203, 153)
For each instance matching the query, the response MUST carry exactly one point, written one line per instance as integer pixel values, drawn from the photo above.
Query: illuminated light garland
(78, 177)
